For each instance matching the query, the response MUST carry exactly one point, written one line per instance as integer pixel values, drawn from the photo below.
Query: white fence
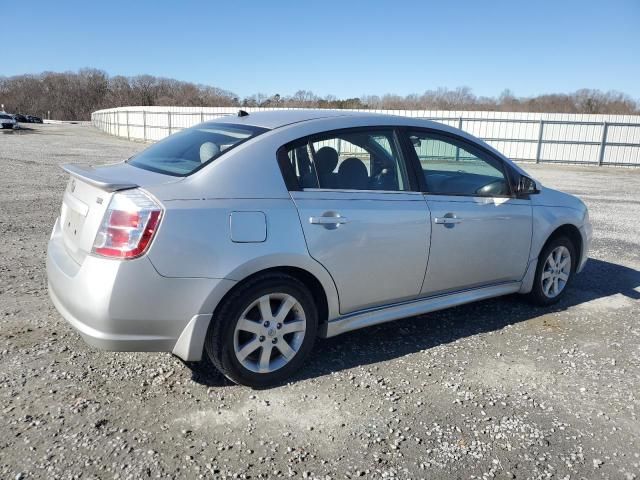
(528, 137)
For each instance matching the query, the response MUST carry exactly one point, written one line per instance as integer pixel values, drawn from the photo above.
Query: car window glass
(383, 141)
(453, 167)
(357, 160)
(186, 151)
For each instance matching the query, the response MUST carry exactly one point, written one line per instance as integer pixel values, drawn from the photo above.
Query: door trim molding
(387, 313)
(360, 195)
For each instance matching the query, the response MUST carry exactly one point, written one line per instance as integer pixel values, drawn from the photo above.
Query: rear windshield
(186, 151)
(5, 117)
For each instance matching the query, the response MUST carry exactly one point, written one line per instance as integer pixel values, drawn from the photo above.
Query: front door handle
(447, 220)
(328, 220)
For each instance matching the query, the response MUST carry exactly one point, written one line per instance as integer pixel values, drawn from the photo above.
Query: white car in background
(7, 121)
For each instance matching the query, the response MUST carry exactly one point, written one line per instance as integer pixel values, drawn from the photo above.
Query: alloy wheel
(556, 271)
(269, 332)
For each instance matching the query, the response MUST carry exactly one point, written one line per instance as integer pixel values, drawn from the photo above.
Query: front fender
(546, 220)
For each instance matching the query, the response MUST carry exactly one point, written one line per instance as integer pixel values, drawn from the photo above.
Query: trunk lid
(87, 197)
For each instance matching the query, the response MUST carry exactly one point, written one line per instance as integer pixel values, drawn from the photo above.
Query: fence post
(540, 136)
(458, 148)
(144, 125)
(169, 121)
(201, 117)
(128, 132)
(603, 143)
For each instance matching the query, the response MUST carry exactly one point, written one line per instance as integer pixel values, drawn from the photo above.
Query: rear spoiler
(89, 174)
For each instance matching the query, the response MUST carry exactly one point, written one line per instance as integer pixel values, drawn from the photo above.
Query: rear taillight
(128, 226)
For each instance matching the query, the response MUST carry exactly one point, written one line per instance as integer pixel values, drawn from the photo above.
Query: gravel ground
(497, 389)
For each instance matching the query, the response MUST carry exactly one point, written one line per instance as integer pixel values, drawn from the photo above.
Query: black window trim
(507, 171)
(288, 172)
(291, 180)
(286, 168)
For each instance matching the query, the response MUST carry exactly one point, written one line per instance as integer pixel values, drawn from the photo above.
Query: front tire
(554, 272)
(263, 331)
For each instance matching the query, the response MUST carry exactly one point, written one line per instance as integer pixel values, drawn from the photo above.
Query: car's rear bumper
(126, 305)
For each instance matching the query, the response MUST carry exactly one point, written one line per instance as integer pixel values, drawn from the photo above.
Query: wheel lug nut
(279, 326)
(275, 340)
(261, 338)
(266, 324)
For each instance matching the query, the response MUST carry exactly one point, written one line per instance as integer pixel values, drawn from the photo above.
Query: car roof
(279, 118)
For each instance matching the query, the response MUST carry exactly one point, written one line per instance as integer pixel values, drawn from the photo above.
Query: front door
(476, 241)
(481, 234)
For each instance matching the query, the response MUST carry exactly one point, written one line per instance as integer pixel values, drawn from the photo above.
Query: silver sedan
(244, 238)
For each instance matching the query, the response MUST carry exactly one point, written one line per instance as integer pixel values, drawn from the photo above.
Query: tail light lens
(128, 226)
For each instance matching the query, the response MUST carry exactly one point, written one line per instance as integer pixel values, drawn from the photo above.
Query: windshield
(185, 152)
(5, 117)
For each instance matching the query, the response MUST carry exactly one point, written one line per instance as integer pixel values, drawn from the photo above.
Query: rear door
(361, 218)
(481, 233)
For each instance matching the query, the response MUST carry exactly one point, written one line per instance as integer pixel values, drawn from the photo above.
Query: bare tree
(73, 96)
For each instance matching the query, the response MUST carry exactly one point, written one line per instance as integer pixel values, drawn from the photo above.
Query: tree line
(74, 95)
(463, 98)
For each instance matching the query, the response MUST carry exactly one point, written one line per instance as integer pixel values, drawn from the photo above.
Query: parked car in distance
(245, 238)
(34, 119)
(7, 121)
(20, 118)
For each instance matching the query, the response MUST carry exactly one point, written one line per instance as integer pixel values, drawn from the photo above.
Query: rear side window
(348, 160)
(188, 150)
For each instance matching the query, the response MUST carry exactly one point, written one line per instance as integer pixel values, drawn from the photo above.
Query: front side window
(349, 160)
(186, 151)
(453, 167)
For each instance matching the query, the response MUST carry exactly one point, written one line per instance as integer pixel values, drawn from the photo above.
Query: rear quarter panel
(195, 240)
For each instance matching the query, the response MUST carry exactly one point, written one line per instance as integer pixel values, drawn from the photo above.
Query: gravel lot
(496, 389)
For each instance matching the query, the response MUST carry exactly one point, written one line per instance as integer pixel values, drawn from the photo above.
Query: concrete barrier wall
(531, 137)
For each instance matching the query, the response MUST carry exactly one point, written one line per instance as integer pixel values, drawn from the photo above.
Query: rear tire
(554, 272)
(263, 331)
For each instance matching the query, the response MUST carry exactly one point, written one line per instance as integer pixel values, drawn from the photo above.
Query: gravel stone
(495, 389)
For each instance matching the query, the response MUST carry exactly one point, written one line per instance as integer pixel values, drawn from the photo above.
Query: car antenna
(242, 113)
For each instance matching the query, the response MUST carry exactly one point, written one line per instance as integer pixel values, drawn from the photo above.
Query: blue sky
(345, 48)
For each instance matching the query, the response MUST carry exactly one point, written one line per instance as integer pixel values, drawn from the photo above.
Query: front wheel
(262, 332)
(554, 272)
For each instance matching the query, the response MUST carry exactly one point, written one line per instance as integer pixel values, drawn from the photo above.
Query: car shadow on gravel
(205, 373)
(19, 131)
(391, 340)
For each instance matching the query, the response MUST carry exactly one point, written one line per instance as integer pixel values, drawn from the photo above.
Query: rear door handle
(447, 220)
(328, 220)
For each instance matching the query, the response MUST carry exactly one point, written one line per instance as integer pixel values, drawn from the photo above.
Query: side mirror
(526, 186)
